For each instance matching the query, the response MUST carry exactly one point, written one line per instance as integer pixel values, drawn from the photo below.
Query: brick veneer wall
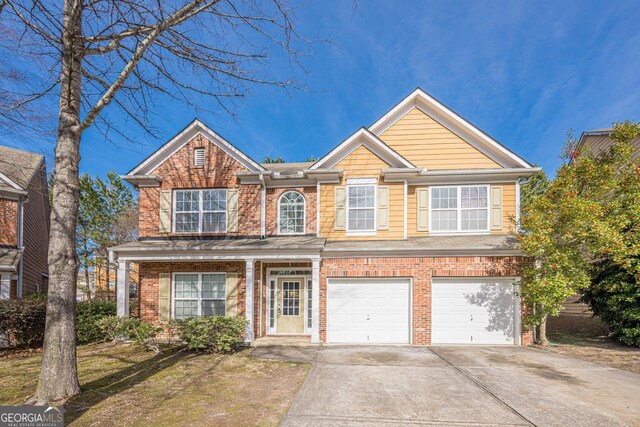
(149, 281)
(218, 172)
(8, 222)
(273, 195)
(422, 270)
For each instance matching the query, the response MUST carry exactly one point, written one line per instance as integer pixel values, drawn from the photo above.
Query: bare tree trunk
(58, 374)
(86, 278)
(542, 336)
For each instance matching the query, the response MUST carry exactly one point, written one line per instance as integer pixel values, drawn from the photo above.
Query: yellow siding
(362, 163)
(508, 207)
(508, 210)
(426, 143)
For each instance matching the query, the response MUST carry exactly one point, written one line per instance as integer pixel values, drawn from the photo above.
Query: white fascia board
(142, 180)
(427, 253)
(6, 179)
(203, 255)
(370, 141)
(478, 176)
(452, 121)
(181, 139)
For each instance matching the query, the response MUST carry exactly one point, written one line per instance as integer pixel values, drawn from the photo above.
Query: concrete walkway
(462, 386)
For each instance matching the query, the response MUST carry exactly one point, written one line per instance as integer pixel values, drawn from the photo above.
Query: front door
(290, 306)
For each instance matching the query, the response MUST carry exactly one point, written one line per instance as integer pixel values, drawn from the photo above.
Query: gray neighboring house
(24, 223)
(599, 140)
(596, 141)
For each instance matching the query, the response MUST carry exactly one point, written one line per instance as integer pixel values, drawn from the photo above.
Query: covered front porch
(273, 282)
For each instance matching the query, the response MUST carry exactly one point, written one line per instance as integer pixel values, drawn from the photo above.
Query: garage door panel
(473, 312)
(382, 308)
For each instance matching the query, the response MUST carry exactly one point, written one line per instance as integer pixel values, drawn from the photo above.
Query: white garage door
(368, 311)
(473, 311)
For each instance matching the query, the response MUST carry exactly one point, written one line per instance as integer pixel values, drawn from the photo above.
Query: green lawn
(124, 385)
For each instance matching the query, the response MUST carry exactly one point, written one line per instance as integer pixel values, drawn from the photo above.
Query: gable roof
(370, 141)
(452, 121)
(599, 140)
(17, 167)
(182, 138)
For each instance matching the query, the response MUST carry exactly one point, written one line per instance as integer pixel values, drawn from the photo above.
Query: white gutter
(263, 208)
(20, 246)
(317, 209)
(519, 182)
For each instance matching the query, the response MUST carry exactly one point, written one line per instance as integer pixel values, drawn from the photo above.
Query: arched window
(291, 213)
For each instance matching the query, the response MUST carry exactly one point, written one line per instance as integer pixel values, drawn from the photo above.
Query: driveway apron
(461, 386)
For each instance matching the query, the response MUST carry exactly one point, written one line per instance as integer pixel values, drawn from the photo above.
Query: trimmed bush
(22, 321)
(215, 334)
(142, 333)
(87, 317)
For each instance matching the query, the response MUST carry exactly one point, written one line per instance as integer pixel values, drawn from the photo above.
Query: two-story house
(401, 234)
(24, 223)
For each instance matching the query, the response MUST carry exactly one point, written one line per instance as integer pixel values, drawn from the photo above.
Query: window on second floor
(459, 209)
(291, 216)
(200, 211)
(361, 207)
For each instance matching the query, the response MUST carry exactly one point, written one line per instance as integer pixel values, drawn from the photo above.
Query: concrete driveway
(462, 386)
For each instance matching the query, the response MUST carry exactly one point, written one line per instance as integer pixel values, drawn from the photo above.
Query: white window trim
(200, 211)
(304, 214)
(459, 229)
(200, 299)
(363, 182)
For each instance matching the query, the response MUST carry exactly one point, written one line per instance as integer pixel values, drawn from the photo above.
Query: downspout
(20, 246)
(406, 192)
(263, 208)
(318, 209)
(519, 182)
(260, 303)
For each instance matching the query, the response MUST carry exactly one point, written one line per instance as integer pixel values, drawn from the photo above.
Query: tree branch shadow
(101, 389)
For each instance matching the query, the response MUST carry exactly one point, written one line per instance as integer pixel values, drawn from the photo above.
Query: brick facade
(150, 275)
(218, 172)
(8, 222)
(310, 200)
(420, 270)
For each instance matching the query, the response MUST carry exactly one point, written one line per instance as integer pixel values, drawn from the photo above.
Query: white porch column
(122, 289)
(5, 285)
(248, 305)
(315, 301)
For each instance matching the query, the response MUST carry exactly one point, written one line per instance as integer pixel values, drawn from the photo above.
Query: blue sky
(522, 71)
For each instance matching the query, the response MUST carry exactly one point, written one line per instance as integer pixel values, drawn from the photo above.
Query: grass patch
(125, 385)
(587, 338)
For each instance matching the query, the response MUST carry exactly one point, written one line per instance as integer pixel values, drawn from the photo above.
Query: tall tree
(588, 216)
(89, 220)
(123, 52)
(116, 201)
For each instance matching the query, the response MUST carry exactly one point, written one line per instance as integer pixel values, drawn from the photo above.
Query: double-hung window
(200, 211)
(198, 294)
(361, 206)
(460, 208)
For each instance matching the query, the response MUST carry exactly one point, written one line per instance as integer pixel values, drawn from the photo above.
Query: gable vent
(198, 157)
